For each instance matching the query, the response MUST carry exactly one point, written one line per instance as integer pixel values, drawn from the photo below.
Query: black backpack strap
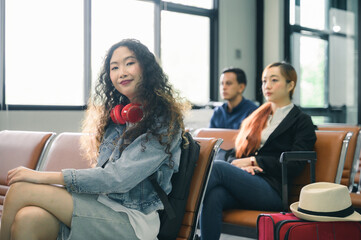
(163, 196)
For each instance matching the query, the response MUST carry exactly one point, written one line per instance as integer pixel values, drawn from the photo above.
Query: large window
(311, 52)
(187, 64)
(323, 48)
(308, 13)
(44, 52)
(51, 51)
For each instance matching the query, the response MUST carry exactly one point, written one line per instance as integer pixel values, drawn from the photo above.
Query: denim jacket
(124, 179)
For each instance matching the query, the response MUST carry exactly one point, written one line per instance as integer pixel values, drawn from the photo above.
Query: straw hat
(325, 202)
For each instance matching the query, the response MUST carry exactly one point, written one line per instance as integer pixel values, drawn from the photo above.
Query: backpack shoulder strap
(163, 196)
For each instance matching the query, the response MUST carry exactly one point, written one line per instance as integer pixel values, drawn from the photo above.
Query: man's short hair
(241, 76)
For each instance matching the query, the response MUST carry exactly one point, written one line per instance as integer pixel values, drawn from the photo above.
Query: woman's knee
(26, 217)
(219, 163)
(30, 220)
(219, 168)
(18, 187)
(16, 191)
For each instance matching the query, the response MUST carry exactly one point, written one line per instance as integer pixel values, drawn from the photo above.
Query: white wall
(273, 40)
(237, 32)
(53, 121)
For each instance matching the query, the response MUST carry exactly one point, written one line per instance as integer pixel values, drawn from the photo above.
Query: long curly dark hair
(162, 106)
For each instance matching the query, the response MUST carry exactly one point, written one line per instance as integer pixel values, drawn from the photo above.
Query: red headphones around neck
(131, 112)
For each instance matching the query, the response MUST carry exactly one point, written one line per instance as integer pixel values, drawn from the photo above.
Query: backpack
(175, 203)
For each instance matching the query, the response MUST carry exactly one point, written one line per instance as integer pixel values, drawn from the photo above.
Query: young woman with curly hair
(114, 199)
(250, 176)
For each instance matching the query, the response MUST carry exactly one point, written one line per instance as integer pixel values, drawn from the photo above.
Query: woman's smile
(125, 82)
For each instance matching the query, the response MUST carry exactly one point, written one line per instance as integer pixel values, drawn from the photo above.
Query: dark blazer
(296, 132)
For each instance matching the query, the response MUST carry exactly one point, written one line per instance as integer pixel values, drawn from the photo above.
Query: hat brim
(294, 208)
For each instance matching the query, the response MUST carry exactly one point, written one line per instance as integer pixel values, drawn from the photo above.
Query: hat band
(342, 213)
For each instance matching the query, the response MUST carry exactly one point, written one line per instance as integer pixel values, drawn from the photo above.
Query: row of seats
(38, 150)
(48, 151)
(338, 152)
(337, 160)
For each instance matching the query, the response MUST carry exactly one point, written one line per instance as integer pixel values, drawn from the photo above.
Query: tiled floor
(230, 237)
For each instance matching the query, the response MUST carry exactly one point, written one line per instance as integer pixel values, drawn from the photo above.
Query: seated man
(231, 113)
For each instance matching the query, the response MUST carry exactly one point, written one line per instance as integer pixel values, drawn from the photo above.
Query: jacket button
(256, 153)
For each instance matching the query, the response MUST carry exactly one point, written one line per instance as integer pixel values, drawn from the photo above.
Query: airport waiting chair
(228, 135)
(353, 153)
(331, 150)
(20, 148)
(330, 147)
(208, 150)
(63, 153)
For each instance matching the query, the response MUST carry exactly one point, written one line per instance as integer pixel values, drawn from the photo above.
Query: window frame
(327, 110)
(214, 39)
(159, 6)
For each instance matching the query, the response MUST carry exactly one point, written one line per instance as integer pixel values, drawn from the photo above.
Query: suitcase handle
(309, 156)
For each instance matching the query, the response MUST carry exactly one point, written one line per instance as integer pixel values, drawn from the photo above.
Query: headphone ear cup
(132, 112)
(115, 114)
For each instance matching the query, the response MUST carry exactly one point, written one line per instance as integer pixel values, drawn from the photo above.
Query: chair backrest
(228, 135)
(64, 153)
(353, 152)
(331, 150)
(20, 148)
(209, 147)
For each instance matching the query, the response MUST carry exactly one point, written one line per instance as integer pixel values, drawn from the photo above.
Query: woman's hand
(23, 174)
(244, 162)
(252, 169)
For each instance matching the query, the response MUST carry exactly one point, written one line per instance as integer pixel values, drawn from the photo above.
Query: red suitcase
(282, 226)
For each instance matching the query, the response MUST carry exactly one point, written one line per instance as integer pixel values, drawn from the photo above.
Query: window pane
(185, 54)
(311, 69)
(114, 20)
(308, 13)
(44, 52)
(195, 3)
(317, 120)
